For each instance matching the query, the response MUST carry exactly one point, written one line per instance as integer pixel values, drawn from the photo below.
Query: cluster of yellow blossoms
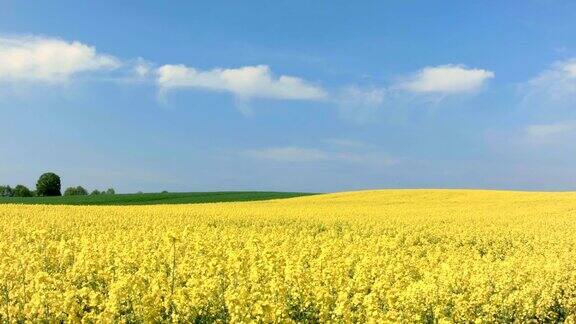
(372, 256)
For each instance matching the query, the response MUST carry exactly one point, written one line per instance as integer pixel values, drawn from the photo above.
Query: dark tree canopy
(81, 191)
(22, 191)
(95, 192)
(110, 191)
(48, 185)
(6, 191)
(75, 191)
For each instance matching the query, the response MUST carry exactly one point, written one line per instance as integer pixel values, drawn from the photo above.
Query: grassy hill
(155, 198)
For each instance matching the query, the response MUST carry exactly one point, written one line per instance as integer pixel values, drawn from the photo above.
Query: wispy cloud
(348, 143)
(374, 159)
(552, 135)
(51, 60)
(142, 69)
(360, 104)
(555, 86)
(543, 131)
(447, 79)
(301, 154)
(289, 154)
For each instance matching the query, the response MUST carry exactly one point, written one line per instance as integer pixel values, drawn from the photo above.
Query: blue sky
(289, 95)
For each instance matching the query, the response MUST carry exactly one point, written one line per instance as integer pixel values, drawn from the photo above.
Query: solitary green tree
(22, 191)
(48, 185)
(110, 191)
(95, 192)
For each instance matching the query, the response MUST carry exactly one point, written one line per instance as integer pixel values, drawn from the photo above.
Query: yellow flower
(371, 256)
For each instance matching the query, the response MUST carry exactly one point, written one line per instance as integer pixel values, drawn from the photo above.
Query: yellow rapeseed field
(371, 256)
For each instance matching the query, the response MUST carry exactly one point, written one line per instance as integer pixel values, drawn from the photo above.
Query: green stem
(173, 279)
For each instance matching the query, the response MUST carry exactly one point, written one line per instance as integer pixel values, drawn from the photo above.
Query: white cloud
(289, 154)
(447, 79)
(48, 60)
(245, 82)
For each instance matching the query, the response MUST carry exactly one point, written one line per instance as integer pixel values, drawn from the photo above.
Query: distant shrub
(6, 191)
(95, 192)
(110, 191)
(75, 191)
(48, 185)
(164, 192)
(22, 191)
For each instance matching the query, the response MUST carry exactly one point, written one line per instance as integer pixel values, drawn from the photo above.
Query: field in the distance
(374, 256)
(154, 198)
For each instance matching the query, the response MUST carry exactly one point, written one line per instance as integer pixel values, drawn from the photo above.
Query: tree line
(49, 185)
